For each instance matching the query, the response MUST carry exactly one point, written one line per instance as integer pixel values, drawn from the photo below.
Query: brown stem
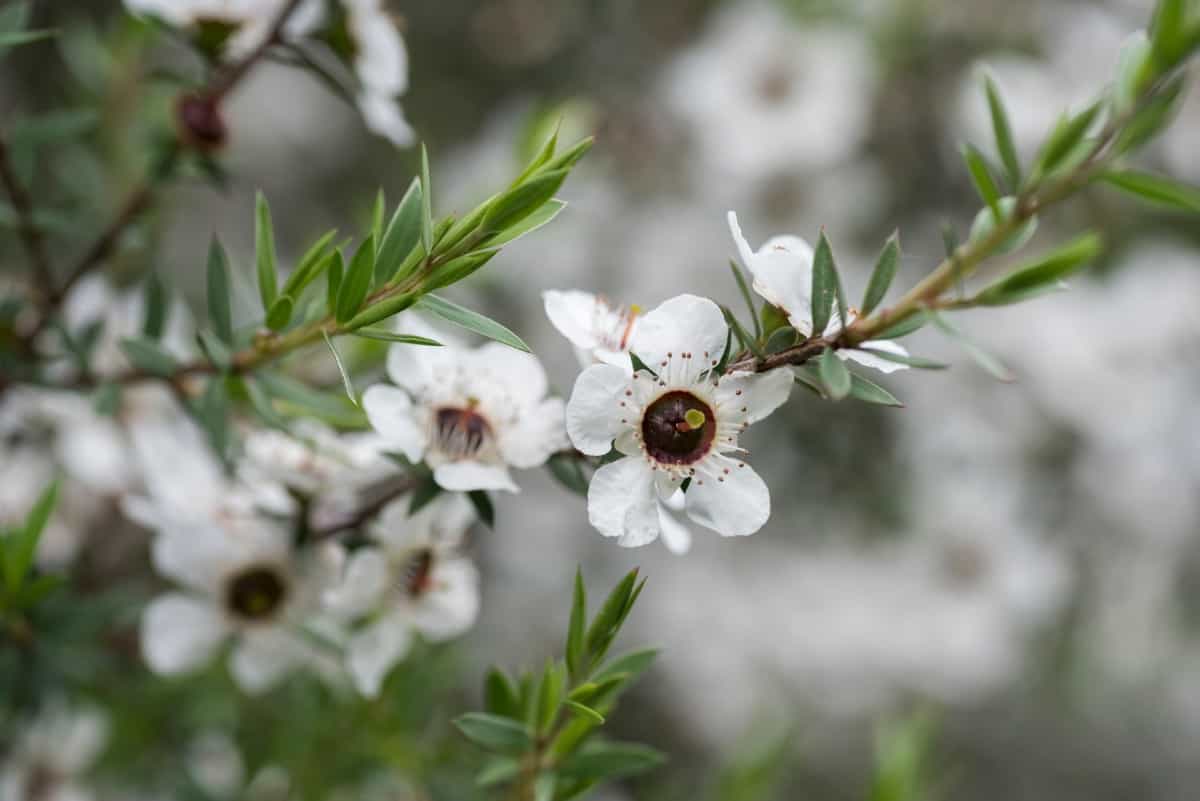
(227, 80)
(364, 513)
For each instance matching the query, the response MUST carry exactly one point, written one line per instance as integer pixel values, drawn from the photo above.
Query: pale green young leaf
(985, 223)
(426, 203)
(866, 390)
(1002, 132)
(341, 366)
(384, 335)
(1158, 189)
(148, 356)
(981, 176)
(264, 252)
(990, 364)
(472, 321)
(834, 375)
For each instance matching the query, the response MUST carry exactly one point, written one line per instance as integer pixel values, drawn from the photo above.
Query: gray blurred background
(1024, 558)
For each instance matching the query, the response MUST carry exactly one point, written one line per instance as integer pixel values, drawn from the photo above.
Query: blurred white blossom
(53, 753)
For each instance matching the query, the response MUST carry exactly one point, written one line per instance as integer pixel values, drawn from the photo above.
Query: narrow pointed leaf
(518, 203)
(1002, 132)
(911, 361)
(981, 176)
(1157, 189)
(576, 628)
(148, 356)
(402, 235)
(870, 392)
(494, 733)
(882, 275)
(337, 358)
(990, 364)
(384, 335)
(356, 283)
(426, 203)
(281, 313)
(314, 262)
(333, 282)
(543, 215)
(264, 252)
(379, 311)
(824, 286)
(834, 375)
(20, 552)
(1043, 274)
(744, 288)
(472, 321)
(585, 711)
(219, 301)
(377, 213)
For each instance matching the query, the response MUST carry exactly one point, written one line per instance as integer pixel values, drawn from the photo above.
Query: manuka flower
(782, 272)
(679, 423)
(599, 330)
(470, 413)
(411, 580)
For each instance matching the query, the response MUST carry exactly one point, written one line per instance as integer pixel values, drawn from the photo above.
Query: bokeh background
(1022, 559)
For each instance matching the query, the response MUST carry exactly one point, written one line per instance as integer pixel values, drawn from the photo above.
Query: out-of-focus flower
(52, 754)
(215, 764)
(599, 330)
(678, 424)
(470, 413)
(381, 64)
(413, 580)
(764, 95)
(240, 575)
(247, 23)
(782, 271)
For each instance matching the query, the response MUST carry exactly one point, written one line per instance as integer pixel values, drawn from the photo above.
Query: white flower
(239, 573)
(469, 413)
(52, 754)
(681, 424)
(599, 330)
(782, 272)
(764, 96)
(214, 763)
(314, 459)
(381, 63)
(413, 580)
(250, 20)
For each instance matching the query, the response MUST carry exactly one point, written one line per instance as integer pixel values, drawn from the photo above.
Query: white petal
(733, 504)
(362, 586)
(375, 649)
(441, 524)
(782, 272)
(759, 394)
(871, 360)
(391, 413)
(467, 476)
(675, 535)
(520, 374)
(81, 740)
(180, 633)
(384, 117)
(417, 368)
(381, 59)
(538, 433)
(196, 555)
(452, 605)
(622, 502)
(683, 324)
(573, 313)
(263, 657)
(93, 450)
(594, 410)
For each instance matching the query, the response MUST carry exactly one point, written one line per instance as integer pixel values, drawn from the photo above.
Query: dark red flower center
(678, 428)
(418, 573)
(461, 433)
(200, 122)
(256, 593)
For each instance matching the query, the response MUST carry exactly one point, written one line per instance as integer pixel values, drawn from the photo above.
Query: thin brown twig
(364, 513)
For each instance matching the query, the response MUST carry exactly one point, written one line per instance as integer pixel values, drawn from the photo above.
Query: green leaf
(514, 205)
(1168, 31)
(483, 507)
(494, 733)
(37, 589)
(544, 154)
(549, 697)
(611, 760)
(281, 313)
(824, 286)
(218, 352)
(213, 414)
(567, 468)
(8, 40)
(576, 628)
(834, 375)
(608, 620)
(498, 770)
(541, 216)
(500, 694)
(1154, 116)
(882, 275)
(379, 311)
(744, 288)
(911, 361)
(384, 335)
(377, 212)
(585, 711)
(337, 358)
(261, 401)
(314, 262)
(219, 300)
(14, 17)
(402, 235)
(571, 155)
(106, 400)
(912, 322)
(1065, 138)
(472, 321)
(1133, 72)
(333, 282)
(456, 270)
(987, 361)
(302, 400)
(154, 307)
(985, 223)
(632, 664)
(357, 281)
(426, 203)
(1045, 273)
(19, 551)
(866, 390)
(1157, 189)
(148, 356)
(264, 252)
(1002, 132)
(981, 176)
